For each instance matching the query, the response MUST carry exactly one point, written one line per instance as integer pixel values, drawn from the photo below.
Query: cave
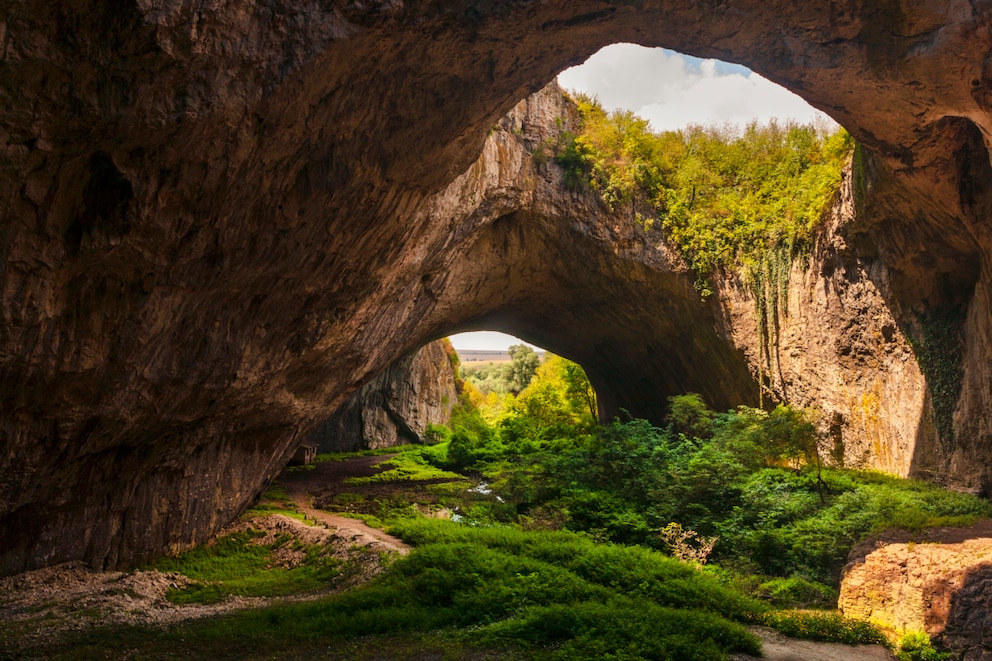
(220, 221)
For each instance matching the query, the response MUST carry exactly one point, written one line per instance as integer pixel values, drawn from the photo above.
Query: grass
(275, 500)
(465, 593)
(408, 465)
(913, 504)
(238, 564)
(496, 591)
(916, 646)
(488, 591)
(345, 456)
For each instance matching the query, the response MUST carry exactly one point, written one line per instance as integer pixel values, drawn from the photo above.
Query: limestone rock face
(831, 341)
(220, 220)
(940, 584)
(395, 407)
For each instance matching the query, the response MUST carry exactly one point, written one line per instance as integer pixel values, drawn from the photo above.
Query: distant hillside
(481, 356)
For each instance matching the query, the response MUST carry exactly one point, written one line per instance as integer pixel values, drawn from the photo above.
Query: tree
(558, 403)
(689, 415)
(579, 390)
(523, 364)
(791, 435)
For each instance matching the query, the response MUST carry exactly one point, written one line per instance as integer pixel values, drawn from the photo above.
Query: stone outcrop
(220, 220)
(395, 407)
(938, 583)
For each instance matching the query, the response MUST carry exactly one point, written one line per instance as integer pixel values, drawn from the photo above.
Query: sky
(670, 90)
(485, 341)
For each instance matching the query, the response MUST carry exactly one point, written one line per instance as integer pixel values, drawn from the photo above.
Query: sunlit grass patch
(345, 456)
(407, 466)
(499, 587)
(623, 628)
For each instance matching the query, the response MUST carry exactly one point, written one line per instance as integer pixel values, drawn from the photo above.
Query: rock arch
(269, 243)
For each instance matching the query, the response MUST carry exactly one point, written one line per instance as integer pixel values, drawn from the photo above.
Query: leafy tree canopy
(725, 196)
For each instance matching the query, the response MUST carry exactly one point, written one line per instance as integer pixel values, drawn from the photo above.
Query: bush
(628, 480)
(916, 646)
(555, 595)
(798, 593)
(624, 628)
(435, 434)
(826, 627)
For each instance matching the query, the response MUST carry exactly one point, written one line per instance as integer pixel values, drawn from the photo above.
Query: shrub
(435, 434)
(916, 646)
(798, 593)
(687, 545)
(826, 627)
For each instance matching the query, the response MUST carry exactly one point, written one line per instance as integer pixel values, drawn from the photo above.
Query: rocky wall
(395, 407)
(217, 221)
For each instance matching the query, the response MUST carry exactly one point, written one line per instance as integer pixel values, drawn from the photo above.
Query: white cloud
(485, 341)
(673, 90)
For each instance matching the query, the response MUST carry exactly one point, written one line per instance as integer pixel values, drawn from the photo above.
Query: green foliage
(784, 529)
(238, 565)
(571, 158)
(623, 629)
(532, 595)
(411, 464)
(493, 378)
(275, 500)
(504, 378)
(523, 364)
(455, 361)
(435, 433)
(557, 406)
(725, 197)
(798, 593)
(749, 477)
(636, 571)
(689, 415)
(916, 646)
(828, 627)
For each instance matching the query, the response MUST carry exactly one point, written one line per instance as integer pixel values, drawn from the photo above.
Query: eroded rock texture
(830, 340)
(940, 584)
(221, 219)
(395, 407)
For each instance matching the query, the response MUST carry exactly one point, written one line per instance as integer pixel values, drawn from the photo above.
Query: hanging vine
(768, 278)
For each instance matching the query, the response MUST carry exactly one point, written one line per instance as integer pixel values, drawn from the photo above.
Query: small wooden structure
(305, 454)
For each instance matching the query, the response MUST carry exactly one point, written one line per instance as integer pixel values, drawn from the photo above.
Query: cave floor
(304, 487)
(42, 612)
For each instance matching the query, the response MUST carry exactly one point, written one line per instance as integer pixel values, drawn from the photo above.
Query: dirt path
(302, 486)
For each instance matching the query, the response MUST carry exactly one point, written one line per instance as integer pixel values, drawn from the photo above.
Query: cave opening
(635, 361)
(673, 90)
(201, 229)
